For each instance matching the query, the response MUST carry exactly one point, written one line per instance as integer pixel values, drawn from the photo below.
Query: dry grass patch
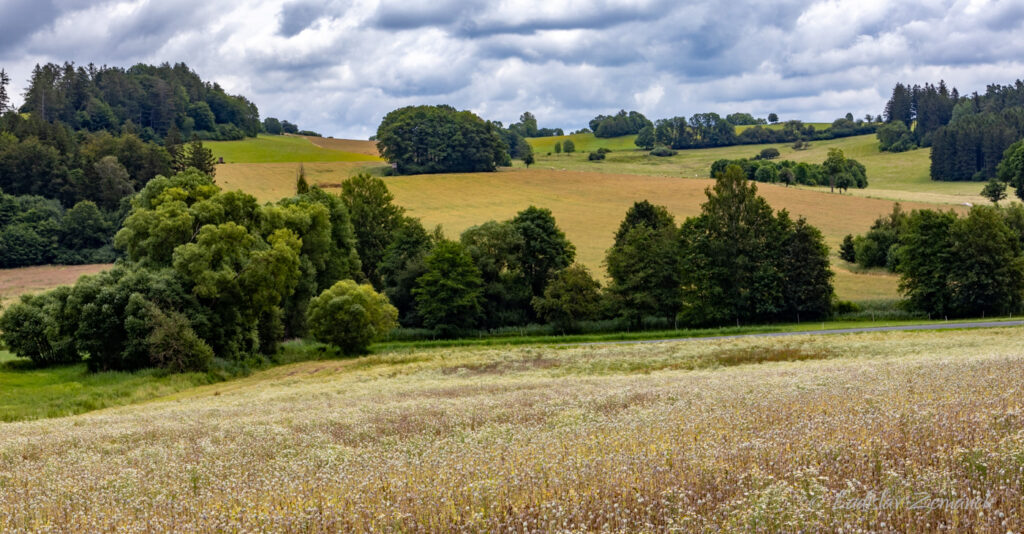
(269, 182)
(23, 280)
(355, 146)
(933, 418)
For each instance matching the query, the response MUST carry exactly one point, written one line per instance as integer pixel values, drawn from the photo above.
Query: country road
(824, 332)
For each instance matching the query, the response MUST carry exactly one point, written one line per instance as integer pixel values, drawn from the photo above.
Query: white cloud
(338, 66)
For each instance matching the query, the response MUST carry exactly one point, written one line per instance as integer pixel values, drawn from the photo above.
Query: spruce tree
(301, 185)
(195, 156)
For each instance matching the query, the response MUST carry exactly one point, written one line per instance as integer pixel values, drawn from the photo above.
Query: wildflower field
(900, 431)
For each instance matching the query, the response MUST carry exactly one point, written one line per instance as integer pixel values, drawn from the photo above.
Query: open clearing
(651, 438)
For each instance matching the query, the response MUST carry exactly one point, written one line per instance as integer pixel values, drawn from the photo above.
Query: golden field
(685, 436)
(16, 282)
(587, 205)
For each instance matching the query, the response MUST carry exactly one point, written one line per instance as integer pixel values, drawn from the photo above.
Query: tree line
(949, 265)
(705, 130)
(837, 171)
(275, 126)
(210, 278)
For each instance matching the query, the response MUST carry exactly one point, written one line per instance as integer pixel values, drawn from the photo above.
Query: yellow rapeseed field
(893, 432)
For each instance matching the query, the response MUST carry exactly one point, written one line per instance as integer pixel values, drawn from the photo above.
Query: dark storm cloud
(298, 16)
(407, 15)
(340, 65)
(20, 19)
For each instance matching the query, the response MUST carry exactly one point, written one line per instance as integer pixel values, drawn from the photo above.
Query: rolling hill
(589, 198)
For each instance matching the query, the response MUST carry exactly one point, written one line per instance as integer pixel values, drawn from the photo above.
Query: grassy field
(27, 393)
(584, 143)
(588, 205)
(368, 148)
(818, 126)
(903, 176)
(795, 434)
(272, 181)
(279, 149)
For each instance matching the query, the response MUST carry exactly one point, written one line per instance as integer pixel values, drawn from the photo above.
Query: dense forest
(968, 135)
(155, 99)
(86, 139)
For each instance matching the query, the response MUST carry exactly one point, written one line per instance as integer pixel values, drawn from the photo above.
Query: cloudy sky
(337, 66)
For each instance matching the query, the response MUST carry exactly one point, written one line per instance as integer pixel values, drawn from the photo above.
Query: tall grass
(795, 435)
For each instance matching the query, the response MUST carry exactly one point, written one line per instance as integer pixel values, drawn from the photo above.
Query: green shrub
(769, 153)
(596, 156)
(663, 152)
(37, 328)
(172, 344)
(350, 316)
(571, 296)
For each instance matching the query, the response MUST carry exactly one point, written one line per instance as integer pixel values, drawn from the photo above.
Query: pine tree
(195, 156)
(301, 185)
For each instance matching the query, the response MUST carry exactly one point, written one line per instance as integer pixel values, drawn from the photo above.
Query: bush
(573, 295)
(596, 156)
(663, 152)
(172, 343)
(769, 153)
(603, 150)
(36, 328)
(350, 316)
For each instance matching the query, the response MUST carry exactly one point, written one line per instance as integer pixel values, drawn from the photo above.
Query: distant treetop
(153, 98)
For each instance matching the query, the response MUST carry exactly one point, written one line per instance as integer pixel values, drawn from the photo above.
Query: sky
(338, 66)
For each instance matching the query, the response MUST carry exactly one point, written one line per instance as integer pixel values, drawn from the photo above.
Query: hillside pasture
(894, 176)
(585, 142)
(282, 148)
(818, 126)
(589, 207)
(356, 146)
(272, 181)
(766, 435)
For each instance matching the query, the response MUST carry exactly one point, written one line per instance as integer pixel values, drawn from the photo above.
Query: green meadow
(279, 149)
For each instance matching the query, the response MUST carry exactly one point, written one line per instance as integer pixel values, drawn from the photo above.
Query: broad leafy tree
(432, 139)
(374, 218)
(494, 248)
(449, 294)
(572, 296)
(543, 248)
(350, 316)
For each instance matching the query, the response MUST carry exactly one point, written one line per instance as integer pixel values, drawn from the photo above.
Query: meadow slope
(683, 436)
